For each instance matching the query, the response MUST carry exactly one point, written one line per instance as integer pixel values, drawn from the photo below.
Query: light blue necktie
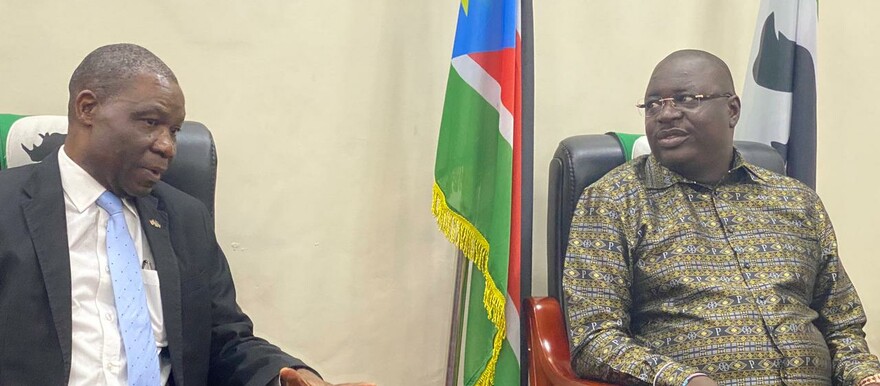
(132, 313)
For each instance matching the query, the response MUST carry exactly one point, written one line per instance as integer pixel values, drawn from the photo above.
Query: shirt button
(108, 316)
(746, 265)
(113, 367)
(106, 268)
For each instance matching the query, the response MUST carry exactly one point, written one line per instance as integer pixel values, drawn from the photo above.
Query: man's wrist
(692, 376)
(307, 368)
(869, 380)
(303, 371)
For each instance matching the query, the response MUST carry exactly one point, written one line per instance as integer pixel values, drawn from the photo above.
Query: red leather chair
(548, 346)
(579, 161)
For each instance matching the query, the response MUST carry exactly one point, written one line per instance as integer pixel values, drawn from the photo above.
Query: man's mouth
(155, 172)
(670, 138)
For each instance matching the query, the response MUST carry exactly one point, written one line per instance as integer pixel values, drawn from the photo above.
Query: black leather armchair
(579, 161)
(193, 170)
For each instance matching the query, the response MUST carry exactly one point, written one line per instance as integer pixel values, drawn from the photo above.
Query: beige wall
(325, 115)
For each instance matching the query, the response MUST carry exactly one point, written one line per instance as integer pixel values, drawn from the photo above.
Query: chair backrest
(29, 139)
(581, 160)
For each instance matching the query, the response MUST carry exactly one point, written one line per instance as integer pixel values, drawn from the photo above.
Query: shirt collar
(658, 176)
(79, 186)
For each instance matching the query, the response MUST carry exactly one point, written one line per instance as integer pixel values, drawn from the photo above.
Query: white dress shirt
(98, 356)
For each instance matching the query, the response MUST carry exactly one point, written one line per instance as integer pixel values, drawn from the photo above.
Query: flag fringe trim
(464, 235)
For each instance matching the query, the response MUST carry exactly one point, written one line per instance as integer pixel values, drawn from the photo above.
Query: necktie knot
(110, 202)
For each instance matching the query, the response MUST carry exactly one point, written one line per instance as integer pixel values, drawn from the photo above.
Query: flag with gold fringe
(477, 173)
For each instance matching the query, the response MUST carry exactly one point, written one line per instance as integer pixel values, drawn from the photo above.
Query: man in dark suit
(58, 313)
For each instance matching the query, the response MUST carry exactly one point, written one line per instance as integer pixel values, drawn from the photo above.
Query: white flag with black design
(779, 96)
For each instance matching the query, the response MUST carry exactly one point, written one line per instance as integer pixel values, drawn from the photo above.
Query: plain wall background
(326, 115)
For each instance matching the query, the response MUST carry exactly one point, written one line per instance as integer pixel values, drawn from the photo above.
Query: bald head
(720, 72)
(108, 69)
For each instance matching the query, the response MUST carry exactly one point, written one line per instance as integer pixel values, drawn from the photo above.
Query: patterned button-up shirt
(665, 277)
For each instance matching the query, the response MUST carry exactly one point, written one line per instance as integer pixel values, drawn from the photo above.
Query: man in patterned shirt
(690, 266)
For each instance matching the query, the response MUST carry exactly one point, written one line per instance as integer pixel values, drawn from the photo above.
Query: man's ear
(735, 107)
(84, 105)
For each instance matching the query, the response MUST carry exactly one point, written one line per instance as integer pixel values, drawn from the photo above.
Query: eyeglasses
(688, 102)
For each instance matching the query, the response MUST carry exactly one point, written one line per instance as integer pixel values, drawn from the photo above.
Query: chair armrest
(548, 346)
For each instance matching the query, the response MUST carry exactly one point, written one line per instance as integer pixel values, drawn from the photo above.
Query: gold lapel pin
(155, 223)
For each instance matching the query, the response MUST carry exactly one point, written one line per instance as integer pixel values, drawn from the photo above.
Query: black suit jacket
(210, 340)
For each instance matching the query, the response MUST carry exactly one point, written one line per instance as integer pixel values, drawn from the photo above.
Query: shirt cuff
(673, 374)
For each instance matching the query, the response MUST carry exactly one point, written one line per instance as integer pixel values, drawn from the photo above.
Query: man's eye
(652, 104)
(685, 98)
(151, 122)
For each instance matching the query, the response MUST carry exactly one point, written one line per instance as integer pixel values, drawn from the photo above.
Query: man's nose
(165, 144)
(668, 111)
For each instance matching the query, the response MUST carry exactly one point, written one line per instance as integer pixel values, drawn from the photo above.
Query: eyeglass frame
(699, 97)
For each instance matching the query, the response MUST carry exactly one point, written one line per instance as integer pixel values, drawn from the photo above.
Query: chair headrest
(641, 147)
(28, 140)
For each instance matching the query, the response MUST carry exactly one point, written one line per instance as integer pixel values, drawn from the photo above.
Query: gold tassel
(475, 247)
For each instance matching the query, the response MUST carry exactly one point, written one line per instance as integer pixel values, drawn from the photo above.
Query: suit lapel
(155, 225)
(47, 224)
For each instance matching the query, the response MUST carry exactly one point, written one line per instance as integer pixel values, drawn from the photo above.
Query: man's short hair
(108, 69)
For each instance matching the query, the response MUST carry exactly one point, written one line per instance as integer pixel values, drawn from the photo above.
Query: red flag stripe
(498, 65)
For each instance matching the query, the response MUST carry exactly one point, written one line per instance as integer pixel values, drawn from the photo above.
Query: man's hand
(702, 381)
(303, 377)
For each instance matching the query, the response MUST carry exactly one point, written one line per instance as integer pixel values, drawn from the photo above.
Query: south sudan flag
(477, 185)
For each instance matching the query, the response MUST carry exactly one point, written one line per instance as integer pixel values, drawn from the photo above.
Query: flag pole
(527, 189)
(455, 330)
